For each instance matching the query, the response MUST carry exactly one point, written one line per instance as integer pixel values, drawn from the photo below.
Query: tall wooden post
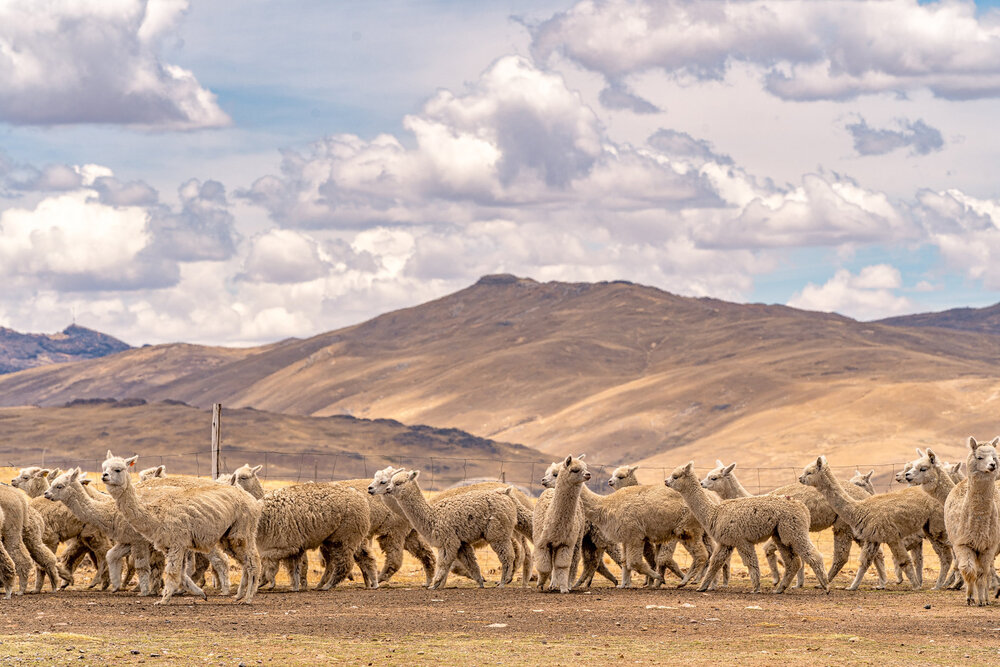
(216, 438)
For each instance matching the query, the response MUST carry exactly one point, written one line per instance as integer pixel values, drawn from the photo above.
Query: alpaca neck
(566, 495)
(733, 488)
(981, 498)
(697, 499)
(128, 504)
(416, 508)
(941, 485)
(88, 510)
(844, 505)
(595, 509)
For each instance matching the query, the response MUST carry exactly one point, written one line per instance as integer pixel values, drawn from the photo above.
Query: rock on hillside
(19, 351)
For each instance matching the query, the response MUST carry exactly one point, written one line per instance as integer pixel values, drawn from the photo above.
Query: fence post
(216, 438)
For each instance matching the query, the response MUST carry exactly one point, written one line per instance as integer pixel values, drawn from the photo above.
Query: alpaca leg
(542, 557)
(243, 546)
(504, 549)
(968, 566)
(719, 556)
(749, 557)
(143, 557)
(792, 563)
(43, 555)
(903, 558)
(810, 555)
(422, 551)
(172, 574)
(561, 562)
(189, 585)
(392, 551)
(634, 561)
(864, 562)
(114, 559)
(446, 555)
(770, 549)
(590, 554)
(220, 566)
(879, 562)
(699, 561)
(842, 540)
(338, 564)
(366, 563)
(7, 572)
(518, 551)
(943, 551)
(917, 557)
(524, 562)
(76, 550)
(664, 559)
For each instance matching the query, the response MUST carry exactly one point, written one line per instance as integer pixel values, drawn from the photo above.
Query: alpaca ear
(632, 469)
(109, 455)
(719, 463)
(568, 461)
(257, 469)
(689, 467)
(931, 456)
(728, 469)
(995, 441)
(159, 470)
(920, 454)
(972, 443)
(74, 475)
(413, 474)
(869, 475)
(820, 461)
(43, 472)
(130, 462)
(582, 456)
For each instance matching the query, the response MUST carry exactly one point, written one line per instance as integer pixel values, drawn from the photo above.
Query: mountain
(289, 446)
(19, 351)
(620, 371)
(982, 320)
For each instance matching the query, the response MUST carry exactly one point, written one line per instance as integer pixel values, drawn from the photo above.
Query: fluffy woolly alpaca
(7, 569)
(723, 480)
(61, 525)
(102, 513)
(635, 515)
(455, 524)
(177, 520)
(972, 517)
(887, 518)
(594, 544)
(22, 534)
(623, 476)
(154, 473)
(740, 523)
(559, 526)
(33, 480)
(524, 528)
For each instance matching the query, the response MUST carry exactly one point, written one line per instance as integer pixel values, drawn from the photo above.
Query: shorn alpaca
(177, 520)
(972, 516)
(887, 518)
(559, 526)
(740, 523)
(455, 524)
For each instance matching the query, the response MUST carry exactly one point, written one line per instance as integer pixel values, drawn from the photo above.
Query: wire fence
(437, 472)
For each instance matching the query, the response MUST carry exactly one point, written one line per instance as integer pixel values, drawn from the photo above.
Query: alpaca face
(400, 480)
(983, 461)
(115, 470)
(718, 476)
(381, 480)
(620, 476)
(810, 476)
(864, 481)
(246, 478)
(59, 489)
(901, 475)
(682, 478)
(549, 478)
(28, 477)
(920, 471)
(575, 470)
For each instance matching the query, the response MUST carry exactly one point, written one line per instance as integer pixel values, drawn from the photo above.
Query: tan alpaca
(102, 513)
(457, 523)
(60, 525)
(8, 571)
(523, 529)
(559, 526)
(33, 480)
(740, 523)
(635, 515)
(623, 476)
(177, 520)
(972, 517)
(723, 480)
(594, 544)
(887, 518)
(22, 537)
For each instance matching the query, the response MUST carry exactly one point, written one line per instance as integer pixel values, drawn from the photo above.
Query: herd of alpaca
(171, 532)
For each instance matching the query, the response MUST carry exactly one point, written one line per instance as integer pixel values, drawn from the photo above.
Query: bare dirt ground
(402, 623)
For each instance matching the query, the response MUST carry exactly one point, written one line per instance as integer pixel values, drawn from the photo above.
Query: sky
(234, 174)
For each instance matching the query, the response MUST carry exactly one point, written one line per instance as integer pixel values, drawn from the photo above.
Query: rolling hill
(982, 320)
(623, 372)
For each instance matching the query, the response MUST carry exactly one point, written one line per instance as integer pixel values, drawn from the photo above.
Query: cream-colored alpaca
(594, 544)
(623, 476)
(458, 522)
(8, 570)
(887, 518)
(740, 523)
(972, 516)
(722, 479)
(177, 520)
(559, 524)
(33, 480)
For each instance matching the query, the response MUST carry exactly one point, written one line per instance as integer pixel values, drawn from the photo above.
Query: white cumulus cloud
(869, 294)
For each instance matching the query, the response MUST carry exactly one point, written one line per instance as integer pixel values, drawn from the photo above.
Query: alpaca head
(922, 470)
(901, 475)
(682, 478)
(115, 471)
(246, 478)
(622, 476)
(153, 473)
(551, 473)
(60, 487)
(718, 477)
(955, 470)
(983, 457)
(812, 473)
(401, 480)
(864, 481)
(381, 480)
(31, 480)
(574, 471)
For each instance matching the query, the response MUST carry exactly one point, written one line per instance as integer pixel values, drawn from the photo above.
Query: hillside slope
(19, 351)
(620, 371)
(982, 320)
